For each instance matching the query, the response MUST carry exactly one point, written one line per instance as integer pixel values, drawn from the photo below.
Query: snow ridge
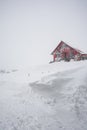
(51, 97)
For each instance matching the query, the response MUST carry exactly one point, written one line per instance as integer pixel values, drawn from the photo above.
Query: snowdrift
(50, 97)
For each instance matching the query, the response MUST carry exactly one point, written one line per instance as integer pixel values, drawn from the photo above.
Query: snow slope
(48, 97)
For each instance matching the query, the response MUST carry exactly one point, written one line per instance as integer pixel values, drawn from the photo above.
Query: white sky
(31, 29)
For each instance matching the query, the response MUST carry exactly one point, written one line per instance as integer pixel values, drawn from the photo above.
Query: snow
(48, 97)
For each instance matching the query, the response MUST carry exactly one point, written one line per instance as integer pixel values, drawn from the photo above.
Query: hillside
(48, 97)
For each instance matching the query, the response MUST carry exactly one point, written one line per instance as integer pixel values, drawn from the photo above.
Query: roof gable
(63, 43)
(59, 45)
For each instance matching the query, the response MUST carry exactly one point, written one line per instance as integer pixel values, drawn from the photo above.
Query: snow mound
(50, 97)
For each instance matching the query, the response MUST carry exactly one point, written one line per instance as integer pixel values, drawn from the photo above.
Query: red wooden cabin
(65, 52)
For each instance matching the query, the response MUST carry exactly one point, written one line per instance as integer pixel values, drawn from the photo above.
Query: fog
(31, 29)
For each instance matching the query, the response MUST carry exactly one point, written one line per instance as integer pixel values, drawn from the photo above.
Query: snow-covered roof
(81, 52)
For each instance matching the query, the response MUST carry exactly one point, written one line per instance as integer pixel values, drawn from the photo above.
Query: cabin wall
(65, 52)
(84, 57)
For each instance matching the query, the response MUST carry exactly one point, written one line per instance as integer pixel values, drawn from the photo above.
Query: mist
(30, 30)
